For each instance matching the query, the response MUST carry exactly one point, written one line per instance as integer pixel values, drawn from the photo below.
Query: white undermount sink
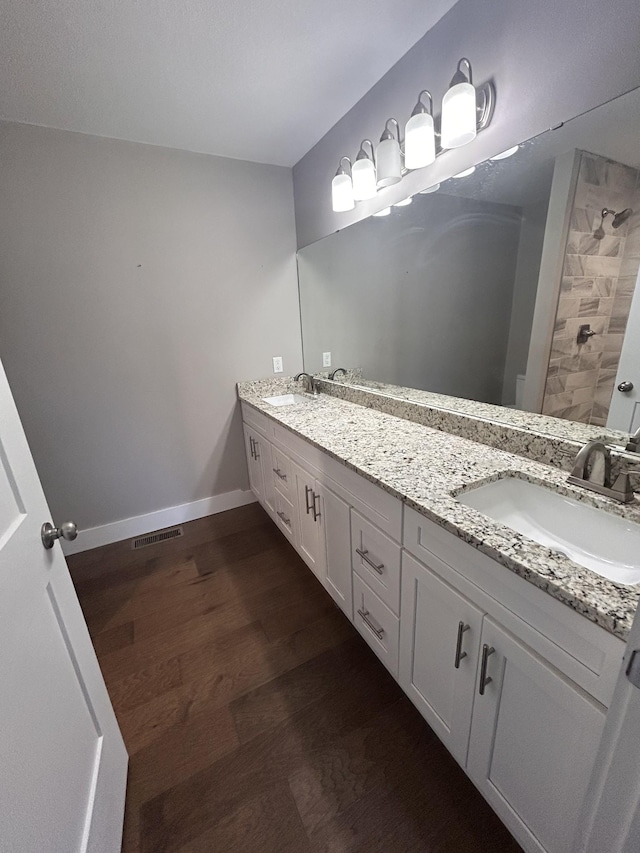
(286, 400)
(605, 543)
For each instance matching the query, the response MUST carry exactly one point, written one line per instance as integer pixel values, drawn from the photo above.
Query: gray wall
(549, 61)
(421, 298)
(137, 285)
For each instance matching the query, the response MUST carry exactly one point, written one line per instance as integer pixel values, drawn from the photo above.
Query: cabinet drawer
(257, 420)
(281, 472)
(376, 558)
(377, 624)
(285, 516)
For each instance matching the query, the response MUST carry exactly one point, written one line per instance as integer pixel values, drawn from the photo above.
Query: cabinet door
(439, 642)
(254, 462)
(336, 539)
(533, 742)
(309, 543)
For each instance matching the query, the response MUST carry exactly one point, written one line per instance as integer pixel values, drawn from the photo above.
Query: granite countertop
(426, 468)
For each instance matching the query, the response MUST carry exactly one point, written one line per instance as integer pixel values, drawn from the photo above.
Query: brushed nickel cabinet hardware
(368, 621)
(279, 473)
(254, 447)
(365, 556)
(307, 491)
(251, 446)
(484, 678)
(459, 653)
(284, 518)
(316, 512)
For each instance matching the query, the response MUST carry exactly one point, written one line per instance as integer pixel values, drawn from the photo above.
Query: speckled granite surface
(539, 437)
(426, 468)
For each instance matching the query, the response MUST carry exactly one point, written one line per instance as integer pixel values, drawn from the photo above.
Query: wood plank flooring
(255, 716)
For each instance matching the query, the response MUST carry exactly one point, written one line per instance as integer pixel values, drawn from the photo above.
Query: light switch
(326, 359)
(277, 364)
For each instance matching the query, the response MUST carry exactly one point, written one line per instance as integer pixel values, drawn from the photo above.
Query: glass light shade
(388, 163)
(508, 153)
(465, 174)
(459, 116)
(364, 179)
(403, 203)
(432, 189)
(384, 212)
(419, 141)
(342, 194)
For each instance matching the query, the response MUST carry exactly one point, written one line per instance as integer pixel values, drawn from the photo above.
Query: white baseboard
(116, 531)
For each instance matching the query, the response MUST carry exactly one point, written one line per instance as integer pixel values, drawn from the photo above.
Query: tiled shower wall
(598, 280)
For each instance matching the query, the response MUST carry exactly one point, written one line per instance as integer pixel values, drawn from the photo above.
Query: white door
(534, 737)
(439, 642)
(624, 412)
(254, 463)
(610, 817)
(63, 764)
(310, 544)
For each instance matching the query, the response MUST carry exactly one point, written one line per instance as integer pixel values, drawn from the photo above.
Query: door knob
(625, 387)
(67, 530)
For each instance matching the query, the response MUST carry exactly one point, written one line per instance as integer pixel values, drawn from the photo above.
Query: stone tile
(632, 244)
(583, 395)
(621, 306)
(613, 343)
(580, 220)
(602, 395)
(590, 360)
(606, 376)
(575, 265)
(555, 403)
(571, 362)
(606, 306)
(560, 326)
(600, 413)
(618, 325)
(568, 306)
(581, 412)
(610, 247)
(555, 384)
(610, 360)
(581, 286)
(600, 266)
(628, 268)
(562, 346)
(590, 245)
(593, 170)
(588, 308)
(581, 379)
(603, 286)
(625, 285)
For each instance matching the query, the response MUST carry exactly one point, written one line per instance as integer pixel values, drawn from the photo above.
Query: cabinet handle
(307, 491)
(279, 473)
(284, 518)
(251, 446)
(484, 678)
(316, 512)
(365, 556)
(459, 653)
(368, 621)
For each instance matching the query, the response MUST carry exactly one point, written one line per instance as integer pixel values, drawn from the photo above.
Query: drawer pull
(365, 556)
(459, 653)
(251, 450)
(279, 473)
(484, 678)
(284, 518)
(308, 491)
(368, 621)
(316, 512)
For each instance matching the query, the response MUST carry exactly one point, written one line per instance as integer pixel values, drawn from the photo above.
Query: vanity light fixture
(388, 156)
(404, 202)
(464, 174)
(432, 189)
(384, 212)
(508, 153)
(363, 173)
(419, 135)
(462, 118)
(342, 189)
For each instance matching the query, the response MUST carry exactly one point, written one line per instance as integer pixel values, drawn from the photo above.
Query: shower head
(620, 218)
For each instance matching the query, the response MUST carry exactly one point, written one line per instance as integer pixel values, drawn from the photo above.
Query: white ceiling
(249, 79)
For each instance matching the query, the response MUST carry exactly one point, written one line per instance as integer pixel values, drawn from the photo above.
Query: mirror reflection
(511, 284)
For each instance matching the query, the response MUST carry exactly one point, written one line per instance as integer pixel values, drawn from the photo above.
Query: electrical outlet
(277, 364)
(326, 359)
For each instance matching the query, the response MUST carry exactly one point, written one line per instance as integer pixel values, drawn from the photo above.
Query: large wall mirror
(514, 284)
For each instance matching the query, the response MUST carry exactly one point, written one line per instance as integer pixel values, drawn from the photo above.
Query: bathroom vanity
(509, 650)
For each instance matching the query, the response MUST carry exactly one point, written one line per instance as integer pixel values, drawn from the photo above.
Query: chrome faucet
(309, 382)
(580, 476)
(333, 373)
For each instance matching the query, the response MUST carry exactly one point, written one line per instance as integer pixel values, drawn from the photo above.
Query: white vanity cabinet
(258, 463)
(514, 683)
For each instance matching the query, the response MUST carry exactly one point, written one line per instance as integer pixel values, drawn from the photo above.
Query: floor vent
(154, 538)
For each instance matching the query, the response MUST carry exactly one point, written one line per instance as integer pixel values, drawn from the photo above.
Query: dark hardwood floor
(255, 716)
